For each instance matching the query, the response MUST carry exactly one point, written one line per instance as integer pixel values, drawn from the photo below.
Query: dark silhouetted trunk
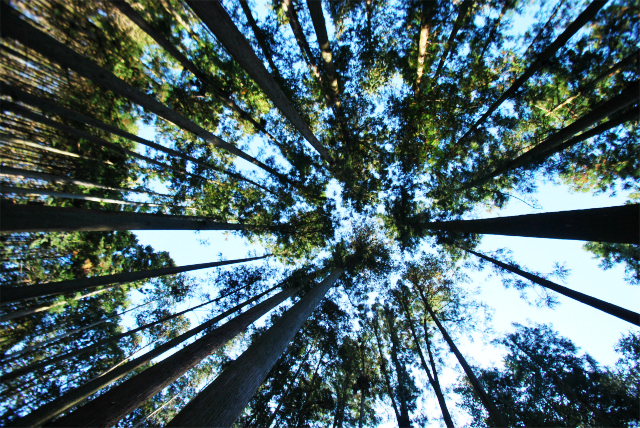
(615, 224)
(384, 370)
(401, 374)
(30, 36)
(13, 294)
(462, 16)
(433, 380)
(107, 409)
(214, 16)
(132, 14)
(562, 139)
(616, 311)
(494, 414)
(260, 38)
(36, 218)
(45, 413)
(221, 402)
(588, 14)
(59, 110)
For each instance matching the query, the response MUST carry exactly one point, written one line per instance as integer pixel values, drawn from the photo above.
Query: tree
(562, 388)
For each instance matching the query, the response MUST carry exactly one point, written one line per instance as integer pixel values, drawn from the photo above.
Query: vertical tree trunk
(52, 178)
(15, 294)
(383, 368)
(404, 420)
(64, 195)
(425, 21)
(554, 143)
(103, 143)
(616, 311)
(221, 402)
(588, 14)
(462, 16)
(435, 384)
(132, 14)
(214, 16)
(107, 409)
(317, 17)
(494, 413)
(86, 349)
(615, 224)
(35, 218)
(260, 38)
(45, 413)
(30, 36)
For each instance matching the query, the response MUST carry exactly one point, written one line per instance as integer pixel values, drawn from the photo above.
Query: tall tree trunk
(39, 345)
(104, 143)
(494, 414)
(34, 310)
(403, 420)
(52, 178)
(317, 17)
(221, 402)
(383, 368)
(260, 38)
(615, 224)
(156, 35)
(30, 36)
(616, 311)
(214, 16)
(64, 195)
(13, 294)
(35, 218)
(588, 14)
(425, 20)
(86, 349)
(435, 384)
(508, 4)
(554, 143)
(107, 409)
(45, 413)
(462, 16)
(298, 33)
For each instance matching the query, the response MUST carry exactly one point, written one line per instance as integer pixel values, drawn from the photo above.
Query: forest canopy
(363, 149)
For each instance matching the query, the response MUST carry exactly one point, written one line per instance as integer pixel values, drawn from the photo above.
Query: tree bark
(435, 384)
(494, 413)
(52, 178)
(403, 419)
(260, 38)
(221, 402)
(425, 20)
(588, 14)
(107, 409)
(64, 195)
(36, 218)
(34, 310)
(317, 17)
(14, 294)
(557, 141)
(16, 28)
(616, 311)
(214, 16)
(614, 224)
(462, 16)
(41, 364)
(40, 102)
(383, 368)
(132, 14)
(45, 413)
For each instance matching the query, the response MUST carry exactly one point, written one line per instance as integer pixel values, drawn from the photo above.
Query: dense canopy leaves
(341, 137)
